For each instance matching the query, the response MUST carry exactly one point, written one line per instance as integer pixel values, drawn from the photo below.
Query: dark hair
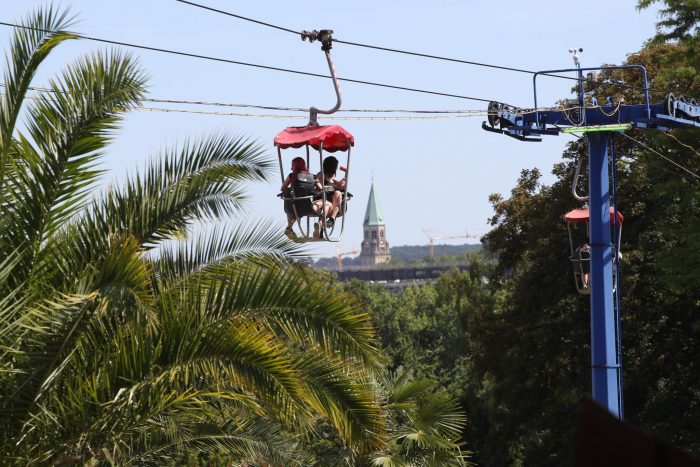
(298, 166)
(330, 166)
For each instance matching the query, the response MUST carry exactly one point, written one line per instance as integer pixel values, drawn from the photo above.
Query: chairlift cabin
(577, 224)
(299, 199)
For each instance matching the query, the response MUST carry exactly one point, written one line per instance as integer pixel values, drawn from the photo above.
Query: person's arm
(319, 185)
(341, 184)
(286, 183)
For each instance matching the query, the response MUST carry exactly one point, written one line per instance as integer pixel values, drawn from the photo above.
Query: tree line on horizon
(410, 255)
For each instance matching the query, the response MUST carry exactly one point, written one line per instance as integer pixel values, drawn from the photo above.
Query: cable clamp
(324, 35)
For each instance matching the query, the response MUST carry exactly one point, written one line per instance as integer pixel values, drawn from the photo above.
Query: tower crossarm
(530, 125)
(585, 114)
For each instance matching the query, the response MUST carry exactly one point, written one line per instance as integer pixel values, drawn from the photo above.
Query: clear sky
(429, 174)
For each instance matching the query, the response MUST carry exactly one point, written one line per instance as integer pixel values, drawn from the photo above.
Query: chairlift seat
(580, 250)
(300, 197)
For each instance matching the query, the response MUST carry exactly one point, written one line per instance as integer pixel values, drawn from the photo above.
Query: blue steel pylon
(598, 122)
(604, 364)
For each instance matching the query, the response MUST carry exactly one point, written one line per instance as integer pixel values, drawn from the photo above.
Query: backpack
(304, 189)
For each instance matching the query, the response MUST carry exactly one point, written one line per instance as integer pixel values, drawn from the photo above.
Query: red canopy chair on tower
(580, 248)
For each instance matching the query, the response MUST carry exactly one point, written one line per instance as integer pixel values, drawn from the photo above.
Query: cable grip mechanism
(324, 35)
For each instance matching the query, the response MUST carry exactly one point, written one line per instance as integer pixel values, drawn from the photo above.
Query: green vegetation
(123, 342)
(511, 339)
(120, 343)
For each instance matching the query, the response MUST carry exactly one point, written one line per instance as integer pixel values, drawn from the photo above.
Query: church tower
(375, 248)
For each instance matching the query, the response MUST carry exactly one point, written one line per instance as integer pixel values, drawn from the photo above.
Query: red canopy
(334, 137)
(581, 215)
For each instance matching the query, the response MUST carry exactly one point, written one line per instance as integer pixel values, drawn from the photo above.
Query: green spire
(373, 215)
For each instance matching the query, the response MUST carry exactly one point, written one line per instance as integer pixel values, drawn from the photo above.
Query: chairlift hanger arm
(325, 36)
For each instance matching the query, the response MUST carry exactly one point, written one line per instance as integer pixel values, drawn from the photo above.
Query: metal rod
(578, 197)
(580, 70)
(322, 214)
(308, 218)
(279, 156)
(313, 111)
(344, 207)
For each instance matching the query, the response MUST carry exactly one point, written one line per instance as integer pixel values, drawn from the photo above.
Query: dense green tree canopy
(120, 341)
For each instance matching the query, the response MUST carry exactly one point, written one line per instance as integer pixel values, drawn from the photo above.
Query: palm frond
(389, 461)
(240, 436)
(46, 334)
(70, 131)
(195, 184)
(42, 31)
(424, 426)
(259, 243)
(340, 391)
(120, 347)
(299, 303)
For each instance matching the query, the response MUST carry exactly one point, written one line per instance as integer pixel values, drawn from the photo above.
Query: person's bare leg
(327, 209)
(337, 200)
(289, 232)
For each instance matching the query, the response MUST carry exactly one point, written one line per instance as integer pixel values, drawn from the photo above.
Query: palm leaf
(42, 31)
(259, 243)
(194, 184)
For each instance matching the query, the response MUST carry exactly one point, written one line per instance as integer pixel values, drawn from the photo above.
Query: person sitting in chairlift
(584, 252)
(327, 179)
(299, 167)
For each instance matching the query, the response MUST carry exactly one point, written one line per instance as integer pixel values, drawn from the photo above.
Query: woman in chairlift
(326, 181)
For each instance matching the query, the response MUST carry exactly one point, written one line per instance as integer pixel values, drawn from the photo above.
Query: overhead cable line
(266, 67)
(455, 112)
(244, 18)
(651, 164)
(237, 114)
(482, 112)
(306, 109)
(440, 116)
(662, 156)
(406, 52)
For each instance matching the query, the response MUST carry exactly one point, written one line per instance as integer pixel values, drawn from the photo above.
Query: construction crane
(431, 239)
(339, 256)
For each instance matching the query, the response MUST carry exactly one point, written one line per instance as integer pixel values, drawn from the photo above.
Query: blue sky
(429, 174)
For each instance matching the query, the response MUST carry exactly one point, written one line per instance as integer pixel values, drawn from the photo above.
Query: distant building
(375, 247)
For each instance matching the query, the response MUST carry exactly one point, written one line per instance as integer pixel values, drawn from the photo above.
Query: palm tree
(424, 426)
(122, 341)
